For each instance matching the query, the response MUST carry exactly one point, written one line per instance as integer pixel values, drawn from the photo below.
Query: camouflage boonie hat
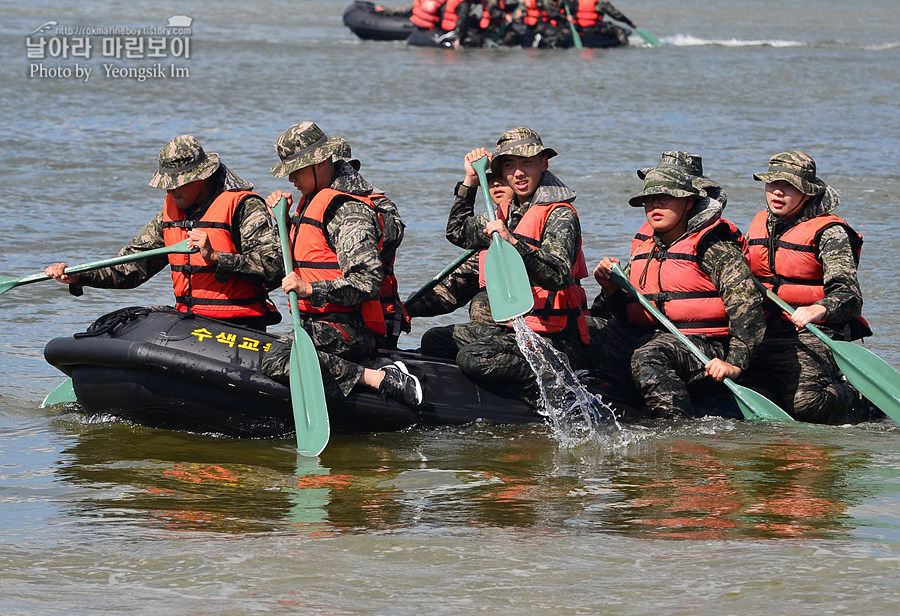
(343, 152)
(300, 146)
(520, 142)
(796, 168)
(182, 161)
(666, 181)
(691, 163)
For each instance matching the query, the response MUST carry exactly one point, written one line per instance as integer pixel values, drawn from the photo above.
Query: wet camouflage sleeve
(607, 8)
(550, 265)
(724, 263)
(464, 228)
(454, 291)
(129, 275)
(353, 233)
(258, 246)
(843, 297)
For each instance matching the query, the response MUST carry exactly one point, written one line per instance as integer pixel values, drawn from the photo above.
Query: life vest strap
(199, 301)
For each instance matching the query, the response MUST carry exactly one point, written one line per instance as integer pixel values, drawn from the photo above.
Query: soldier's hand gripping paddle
(180, 248)
(876, 379)
(307, 390)
(508, 287)
(752, 404)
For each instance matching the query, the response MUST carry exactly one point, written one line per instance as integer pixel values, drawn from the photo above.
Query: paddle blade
(755, 406)
(876, 379)
(63, 393)
(308, 397)
(506, 279)
(647, 37)
(6, 284)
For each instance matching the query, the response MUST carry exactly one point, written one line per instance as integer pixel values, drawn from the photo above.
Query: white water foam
(687, 40)
(575, 413)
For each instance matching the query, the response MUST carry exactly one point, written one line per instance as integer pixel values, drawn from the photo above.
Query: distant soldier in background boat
(337, 237)
(589, 20)
(691, 262)
(545, 25)
(497, 24)
(541, 222)
(395, 317)
(462, 285)
(239, 257)
(440, 23)
(809, 257)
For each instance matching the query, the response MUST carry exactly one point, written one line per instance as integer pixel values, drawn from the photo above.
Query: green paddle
(180, 248)
(752, 404)
(576, 38)
(506, 279)
(64, 392)
(648, 38)
(443, 274)
(876, 379)
(307, 391)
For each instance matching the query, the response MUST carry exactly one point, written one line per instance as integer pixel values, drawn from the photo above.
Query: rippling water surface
(708, 517)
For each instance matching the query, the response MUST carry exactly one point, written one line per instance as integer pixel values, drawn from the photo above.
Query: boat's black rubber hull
(155, 371)
(368, 24)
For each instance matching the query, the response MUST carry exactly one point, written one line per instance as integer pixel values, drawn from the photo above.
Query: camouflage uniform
(352, 230)
(486, 351)
(258, 256)
(499, 31)
(661, 367)
(796, 369)
(551, 33)
(350, 181)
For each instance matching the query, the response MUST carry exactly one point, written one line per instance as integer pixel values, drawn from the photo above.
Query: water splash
(575, 413)
(687, 40)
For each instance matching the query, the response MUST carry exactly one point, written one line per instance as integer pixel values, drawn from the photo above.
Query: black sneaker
(400, 385)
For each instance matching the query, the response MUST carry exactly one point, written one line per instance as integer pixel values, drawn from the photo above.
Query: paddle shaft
(179, 248)
(454, 265)
(307, 392)
(576, 38)
(789, 310)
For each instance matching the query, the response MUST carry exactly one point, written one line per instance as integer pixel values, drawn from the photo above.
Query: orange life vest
(193, 281)
(394, 311)
(673, 280)
(486, 13)
(553, 310)
(533, 14)
(426, 13)
(315, 260)
(793, 269)
(587, 14)
(450, 17)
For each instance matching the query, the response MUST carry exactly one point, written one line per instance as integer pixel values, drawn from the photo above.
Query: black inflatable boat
(370, 24)
(161, 369)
